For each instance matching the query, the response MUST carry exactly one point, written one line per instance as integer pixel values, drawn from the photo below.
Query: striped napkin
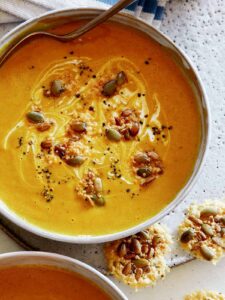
(15, 11)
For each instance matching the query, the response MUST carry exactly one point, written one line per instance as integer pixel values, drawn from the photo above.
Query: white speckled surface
(198, 27)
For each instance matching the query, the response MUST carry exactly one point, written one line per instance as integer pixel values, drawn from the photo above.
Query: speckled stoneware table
(198, 27)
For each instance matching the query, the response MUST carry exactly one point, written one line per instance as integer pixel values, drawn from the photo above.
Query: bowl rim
(89, 239)
(63, 258)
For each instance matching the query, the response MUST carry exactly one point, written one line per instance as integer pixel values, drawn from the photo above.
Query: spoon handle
(98, 20)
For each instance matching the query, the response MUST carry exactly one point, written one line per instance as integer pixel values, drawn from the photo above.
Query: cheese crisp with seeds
(203, 231)
(205, 295)
(138, 260)
(92, 132)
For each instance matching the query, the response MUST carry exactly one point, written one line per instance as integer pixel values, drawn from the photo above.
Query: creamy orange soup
(48, 283)
(97, 135)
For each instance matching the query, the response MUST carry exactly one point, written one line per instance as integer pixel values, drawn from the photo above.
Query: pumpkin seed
(147, 269)
(144, 172)
(220, 242)
(134, 129)
(138, 273)
(79, 126)
(144, 235)
(187, 236)
(127, 269)
(75, 161)
(206, 252)
(98, 200)
(35, 117)
(122, 250)
(113, 135)
(207, 229)
(195, 220)
(136, 245)
(141, 158)
(222, 219)
(156, 240)
(46, 145)
(141, 262)
(145, 248)
(121, 78)
(98, 184)
(109, 88)
(43, 126)
(57, 87)
(126, 112)
(208, 211)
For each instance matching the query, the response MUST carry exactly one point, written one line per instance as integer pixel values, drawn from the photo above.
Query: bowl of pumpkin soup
(101, 136)
(40, 275)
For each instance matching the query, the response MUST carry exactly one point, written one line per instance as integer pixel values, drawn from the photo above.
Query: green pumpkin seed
(57, 87)
(109, 88)
(206, 252)
(207, 229)
(75, 161)
(220, 242)
(144, 172)
(187, 236)
(98, 200)
(141, 158)
(209, 211)
(121, 78)
(79, 126)
(113, 135)
(35, 117)
(141, 262)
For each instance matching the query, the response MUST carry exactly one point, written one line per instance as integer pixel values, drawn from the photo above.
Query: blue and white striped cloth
(151, 11)
(14, 11)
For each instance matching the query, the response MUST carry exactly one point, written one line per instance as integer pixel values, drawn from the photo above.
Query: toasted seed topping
(207, 253)
(187, 236)
(98, 200)
(109, 88)
(43, 126)
(208, 211)
(195, 220)
(141, 158)
(113, 135)
(121, 78)
(207, 229)
(127, 269)
(57, 88)
(138, 273)
(144, 172)
(98, 184)
(136, 245)
(46, 145)
(122, 250)
(35, 117)
(75, 161)
(79, 126)
(141, 262)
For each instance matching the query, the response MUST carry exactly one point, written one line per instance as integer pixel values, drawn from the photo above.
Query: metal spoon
(74, 34)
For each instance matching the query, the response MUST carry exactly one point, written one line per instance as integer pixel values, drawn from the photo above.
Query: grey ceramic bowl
(63, 16)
